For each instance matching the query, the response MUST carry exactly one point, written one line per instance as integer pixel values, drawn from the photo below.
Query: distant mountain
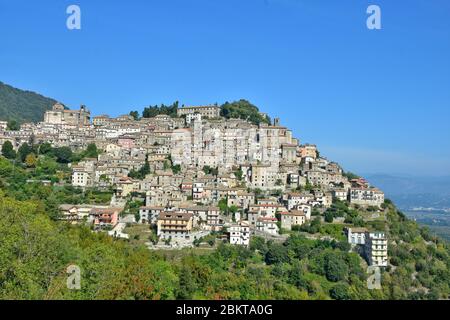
(409, 191)
(21, 105)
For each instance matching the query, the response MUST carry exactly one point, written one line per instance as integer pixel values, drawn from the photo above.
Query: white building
(81, 177)
(340, 194)
(376, 249)
(356, 236)
(366, 196)
(191, 117)
(267, 225)
(150, 214)
(240, 233)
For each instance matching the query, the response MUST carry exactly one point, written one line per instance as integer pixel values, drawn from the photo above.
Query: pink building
(105, 217)
(126, 142)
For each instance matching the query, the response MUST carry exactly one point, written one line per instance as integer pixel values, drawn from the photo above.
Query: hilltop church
(60, 115)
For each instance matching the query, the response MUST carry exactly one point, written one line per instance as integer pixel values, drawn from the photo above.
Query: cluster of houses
(102, 217)
(197, 162)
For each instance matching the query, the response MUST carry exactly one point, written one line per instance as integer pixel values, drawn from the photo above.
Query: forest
(22, 106)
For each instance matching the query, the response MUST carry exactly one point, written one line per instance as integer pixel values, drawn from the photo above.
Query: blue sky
(376, 101)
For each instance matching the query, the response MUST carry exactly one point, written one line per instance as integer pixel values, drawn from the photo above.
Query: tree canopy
(22, 106)
(153, 111)
(243, 109)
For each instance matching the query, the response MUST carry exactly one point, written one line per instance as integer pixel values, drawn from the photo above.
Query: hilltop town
(196, 172)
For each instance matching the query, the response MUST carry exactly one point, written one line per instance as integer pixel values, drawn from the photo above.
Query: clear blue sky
(376, 101)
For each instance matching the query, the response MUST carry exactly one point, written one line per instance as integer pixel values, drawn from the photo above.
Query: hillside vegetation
(244, 110)
(36, 248)
(22, 106)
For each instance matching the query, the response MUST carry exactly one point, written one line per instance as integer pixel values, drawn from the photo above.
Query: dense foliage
(153, 111)
(22, 106)
(243, 109)
(34, 253)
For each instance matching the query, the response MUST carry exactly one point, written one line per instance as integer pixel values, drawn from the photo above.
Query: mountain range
(412, 192)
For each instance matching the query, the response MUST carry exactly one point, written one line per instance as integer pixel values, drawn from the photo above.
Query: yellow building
(175, 225)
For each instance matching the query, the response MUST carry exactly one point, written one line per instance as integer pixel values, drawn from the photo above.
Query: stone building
(60, 115)
(205, 111)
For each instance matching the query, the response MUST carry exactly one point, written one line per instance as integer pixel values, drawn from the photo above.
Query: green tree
(243, 109)
(31, 250)
(13, 125)
(350, 175)
(239, 174)
(153, 111)
(335, 267)
(23, 151)
(308, 186)
(135, 115)
(340, 291)
(223, 205)
(63, 154)
(209, 170)
(258, 243)
(329, 216)
(187, 284)
(8, 150)
(167, 165)
(176, 169)
(277, 253)
(45, 148)
(91, 151)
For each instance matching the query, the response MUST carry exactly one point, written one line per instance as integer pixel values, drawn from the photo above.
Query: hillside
(21, 105)
(305, 266)
(312, 260)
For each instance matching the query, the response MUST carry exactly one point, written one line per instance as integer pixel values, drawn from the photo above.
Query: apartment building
(376, 249)
(366, 196)
(267, 225)
(240, 233)
(205, 111)
(175, 225)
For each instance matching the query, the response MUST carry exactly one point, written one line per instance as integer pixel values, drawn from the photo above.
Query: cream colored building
(174, 225)
(292, 218)
(377, 249)
(205, 111)
(60, 115)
